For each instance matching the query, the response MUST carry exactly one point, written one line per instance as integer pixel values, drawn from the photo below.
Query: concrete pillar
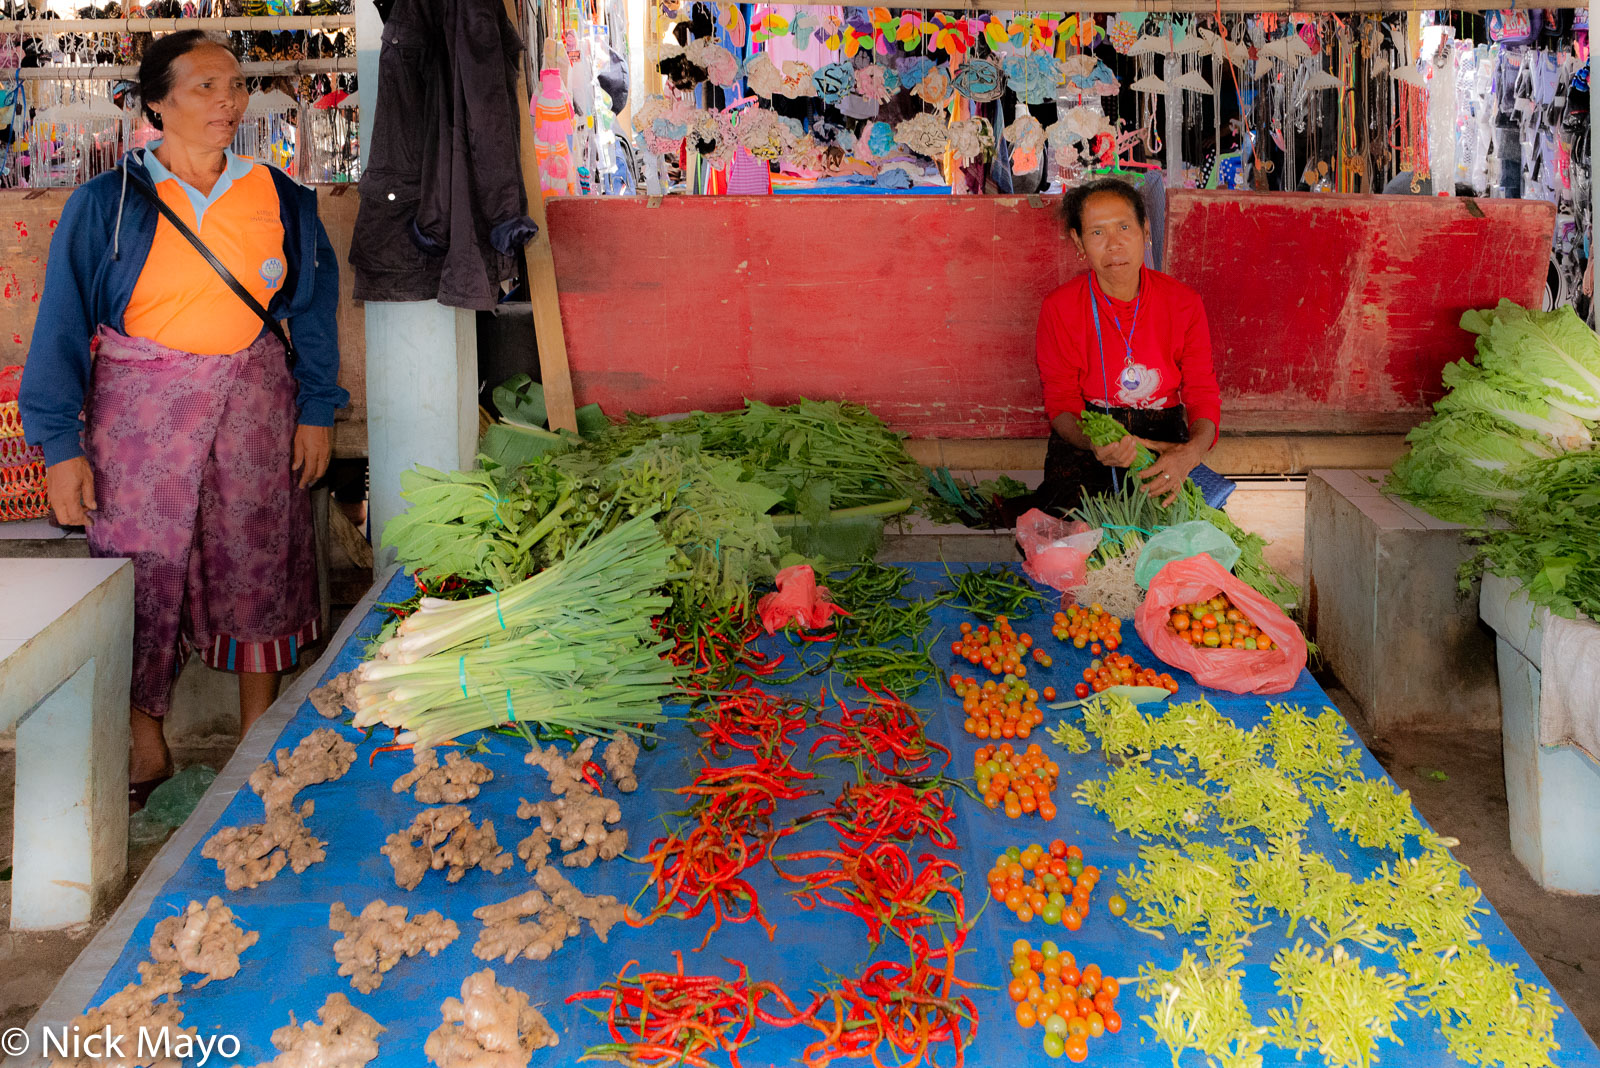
(422, 399)
(422, 357)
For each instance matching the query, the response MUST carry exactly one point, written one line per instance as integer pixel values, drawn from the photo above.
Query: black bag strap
(217, 265)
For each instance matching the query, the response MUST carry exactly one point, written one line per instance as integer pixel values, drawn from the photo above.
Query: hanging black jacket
(443, 207)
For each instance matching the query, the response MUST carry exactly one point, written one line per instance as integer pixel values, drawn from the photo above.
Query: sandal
(139, 792)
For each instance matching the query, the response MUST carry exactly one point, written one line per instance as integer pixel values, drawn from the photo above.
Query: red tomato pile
(1216, 624)
(1052, 886)
(1072, 1005)
(1020, 782)
(1080, 626)
(1119, 669)
(1001, 651)
(1005, 709)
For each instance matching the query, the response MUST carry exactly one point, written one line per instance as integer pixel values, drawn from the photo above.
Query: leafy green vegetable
(1074, 740)
(1261, 798)
(1423, 895)
(1487, 1014)
(1202, 1007)
(1554, 350)
(1195, 888)
(1146, 803)
(1198, 732)
(1306, 886)
(1369, 810)
(1339, 1008)
(1549, 544)
(1303, 747)
(1533, 395)
(1120, 726)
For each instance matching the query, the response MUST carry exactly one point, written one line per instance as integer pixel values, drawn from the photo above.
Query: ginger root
(204, 939)
(133, 1012)
(490, 1026)
(336, 696)
(455, 782)
(322, 756)
(578, 821)
(443, 837)
(255, 853)
(619, 759)
(566, 772)
(381, 937)
(346, 1038)
(506, 935)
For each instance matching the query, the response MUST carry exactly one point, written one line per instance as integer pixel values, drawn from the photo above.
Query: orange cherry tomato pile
(1001, 651)
(1119, 669)
(1216, 624)
(1073, 1006)
(1080, 626)
(1021, 782)
(1005, 709)
(1053, 886)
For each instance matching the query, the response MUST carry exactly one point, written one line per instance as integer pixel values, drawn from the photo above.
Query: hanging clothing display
(443, 208)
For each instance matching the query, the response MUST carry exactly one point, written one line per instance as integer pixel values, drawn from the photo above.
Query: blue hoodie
(96, 256)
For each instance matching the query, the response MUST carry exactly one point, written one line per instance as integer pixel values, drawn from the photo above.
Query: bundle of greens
(1533, 394)
(1549, 543)
(1252, 567)
(1337, 1007)
(492, 526)
(1202, 1007)
(571, 648)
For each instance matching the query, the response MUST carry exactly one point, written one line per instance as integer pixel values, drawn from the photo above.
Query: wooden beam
(560, 409)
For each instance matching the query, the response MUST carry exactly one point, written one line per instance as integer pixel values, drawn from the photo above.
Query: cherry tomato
(1116, 905)
(1081, 690)
(1113, 1022)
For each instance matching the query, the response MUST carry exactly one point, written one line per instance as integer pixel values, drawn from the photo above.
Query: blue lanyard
(1127, 341)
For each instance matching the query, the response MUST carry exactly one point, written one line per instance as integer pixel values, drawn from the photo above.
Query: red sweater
(1171, 350)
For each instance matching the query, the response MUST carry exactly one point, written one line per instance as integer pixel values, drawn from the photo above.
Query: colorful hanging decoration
(979, 80)
(711, 135)
(762, 134)
(1124, 30)
(1033, 76)
(971, 140)
(871, 83)
(934, 88)
(1027, 139)
(925, 134)
(552, 127)
(1087, 75)
(719, 64)
(954, 36)
(875, 142)
(663, 122)
(1080, 30)
(833, 81)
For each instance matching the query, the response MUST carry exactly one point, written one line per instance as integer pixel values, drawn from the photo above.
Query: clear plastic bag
(1181, 542)
(1056, 551)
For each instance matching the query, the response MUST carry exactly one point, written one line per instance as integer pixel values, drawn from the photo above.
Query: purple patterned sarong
(191, 460)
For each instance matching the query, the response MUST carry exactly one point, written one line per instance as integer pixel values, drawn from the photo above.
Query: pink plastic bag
(1200, 578)
(1057, 551)
(798, 600)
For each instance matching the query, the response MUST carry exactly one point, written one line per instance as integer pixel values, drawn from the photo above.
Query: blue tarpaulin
(292, 968)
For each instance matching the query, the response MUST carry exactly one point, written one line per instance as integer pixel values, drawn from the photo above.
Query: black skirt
(1070, 474)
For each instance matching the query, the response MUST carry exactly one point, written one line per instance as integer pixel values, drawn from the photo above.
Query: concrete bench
(1383, 605)
(66, 653)
(1552, 791)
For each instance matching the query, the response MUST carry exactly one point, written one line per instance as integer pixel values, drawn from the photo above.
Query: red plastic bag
(1199, 578)
(1057, 552)
(798, 600)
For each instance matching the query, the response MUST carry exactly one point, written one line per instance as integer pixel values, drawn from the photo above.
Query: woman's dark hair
(1078, 196)
(155, 69)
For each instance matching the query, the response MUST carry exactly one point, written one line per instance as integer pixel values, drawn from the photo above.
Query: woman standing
(197, 441)
(1127, 341)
